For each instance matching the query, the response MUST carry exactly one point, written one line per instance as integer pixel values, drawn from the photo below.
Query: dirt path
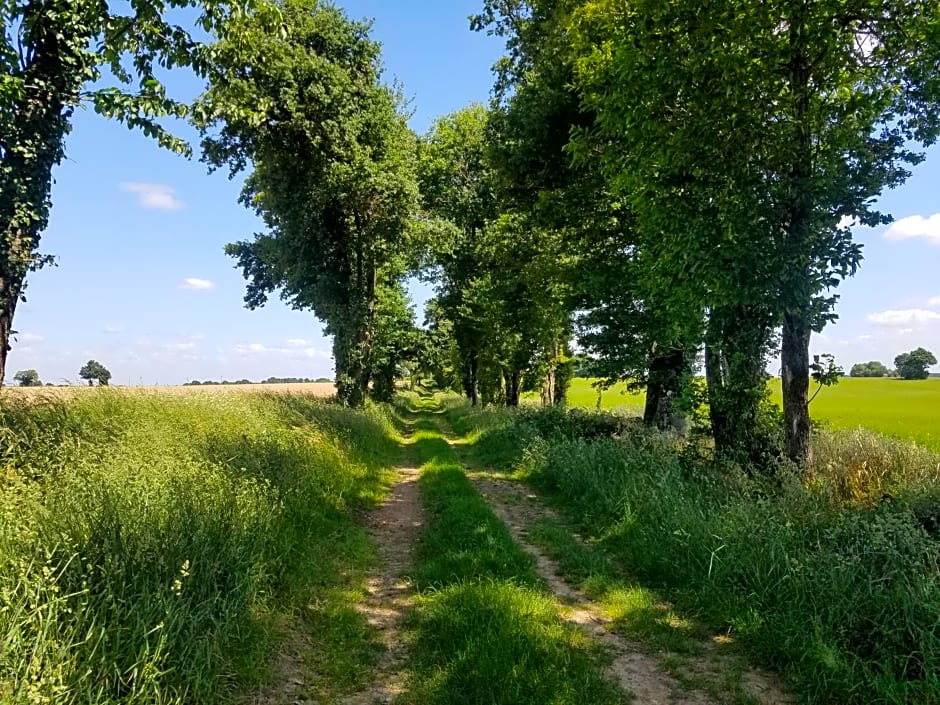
(394, 527)
(633, 667)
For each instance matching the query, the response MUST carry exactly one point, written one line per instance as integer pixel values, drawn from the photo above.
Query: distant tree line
(912, 365)
(269, 380)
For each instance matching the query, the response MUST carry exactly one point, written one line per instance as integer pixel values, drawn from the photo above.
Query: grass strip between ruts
(484, 630)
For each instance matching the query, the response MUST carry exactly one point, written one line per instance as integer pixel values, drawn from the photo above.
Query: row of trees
(658, 179)
(912, 365)
(92, 371)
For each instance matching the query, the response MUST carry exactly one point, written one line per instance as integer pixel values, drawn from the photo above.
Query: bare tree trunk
(668, 374)
(8, 300)
(512, 388)
(795, 356)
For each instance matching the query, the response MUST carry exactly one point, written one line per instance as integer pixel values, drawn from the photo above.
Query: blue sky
(142, 284)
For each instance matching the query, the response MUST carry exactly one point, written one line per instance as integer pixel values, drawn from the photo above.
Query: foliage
(870, 369)
(54, 57)
(825, 372)
(913, 365)
(93, 371)
(27, 378)
(152, 545)
(331, 161)
(742, 149)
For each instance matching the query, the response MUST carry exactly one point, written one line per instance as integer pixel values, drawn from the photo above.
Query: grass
(583, 395)
(155, 549)
(815, 576)
(894, 407)
(484, 630)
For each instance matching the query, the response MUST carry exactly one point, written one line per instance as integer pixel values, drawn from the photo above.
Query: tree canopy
(93, 371)
(331, 171)
(915, 364)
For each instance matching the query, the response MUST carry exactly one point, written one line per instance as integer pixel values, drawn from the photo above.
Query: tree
(623, 321)
(332, 163)
(27, 378)
(93, 371)
(869, 369)
(915, 364)
(756, 134)
(51, 50)
(457, 187)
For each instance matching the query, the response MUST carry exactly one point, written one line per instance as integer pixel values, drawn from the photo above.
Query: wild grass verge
(484, 631)
(831, 577)
(154, 549)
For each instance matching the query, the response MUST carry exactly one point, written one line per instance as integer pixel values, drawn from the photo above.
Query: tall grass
(149, 544)
(831, 577)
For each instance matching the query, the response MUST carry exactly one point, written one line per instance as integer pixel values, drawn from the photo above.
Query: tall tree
(915, 364)
(538, 107)
(748, 134)
(332, 173)
(457, 187)
(51, 51)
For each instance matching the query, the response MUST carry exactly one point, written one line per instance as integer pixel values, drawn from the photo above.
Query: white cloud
(29, 338)
(866, 337)
(154, 196)
(193, 284)
(111, 330)
(298, 343)
(905, 318)
(180, 347)
(294, 351)
(916, 226)
(935, 301)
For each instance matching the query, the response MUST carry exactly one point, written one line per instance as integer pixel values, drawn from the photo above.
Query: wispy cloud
(111, 330)
(935, 301)
(30, 338)
(193, 284)
(916, 226)
(905, 318)
(154, 196)
(294, 350)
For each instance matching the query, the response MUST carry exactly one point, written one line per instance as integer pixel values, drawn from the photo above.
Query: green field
(895, 407)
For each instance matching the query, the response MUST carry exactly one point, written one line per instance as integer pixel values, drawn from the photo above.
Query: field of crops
(899, 408)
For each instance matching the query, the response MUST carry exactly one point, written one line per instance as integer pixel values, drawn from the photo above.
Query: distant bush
(870, 369)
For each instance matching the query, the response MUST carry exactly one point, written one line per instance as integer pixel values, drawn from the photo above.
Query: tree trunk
(548, 386)
(795, 355)
(798, 294)
(717, 411)
(512, 388)
(8, 300)
(738, 339)
(668, 374)
(33, 144)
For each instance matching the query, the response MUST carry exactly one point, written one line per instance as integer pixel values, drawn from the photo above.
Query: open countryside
(900, 408)
(431, 229)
